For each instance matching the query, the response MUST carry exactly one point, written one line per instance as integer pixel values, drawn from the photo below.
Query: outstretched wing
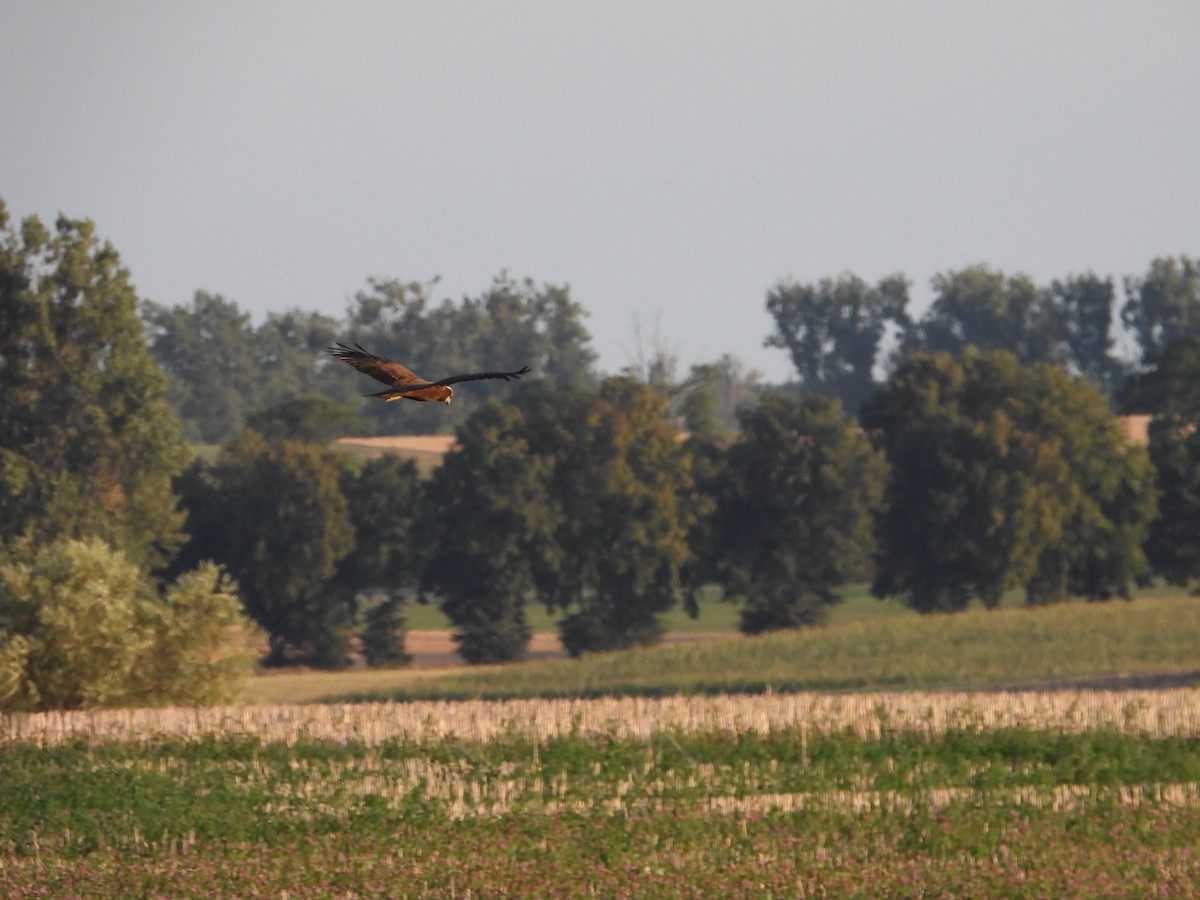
(378, 367)
(478, 376)
(403, 379)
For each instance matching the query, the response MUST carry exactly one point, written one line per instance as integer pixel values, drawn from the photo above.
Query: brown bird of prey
(404, 384)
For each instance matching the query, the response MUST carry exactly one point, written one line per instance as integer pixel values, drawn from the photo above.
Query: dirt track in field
(436, 649)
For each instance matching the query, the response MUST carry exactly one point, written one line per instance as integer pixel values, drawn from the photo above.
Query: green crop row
(678, 813)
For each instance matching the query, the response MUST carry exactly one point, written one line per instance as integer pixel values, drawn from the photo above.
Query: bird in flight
(403, 383)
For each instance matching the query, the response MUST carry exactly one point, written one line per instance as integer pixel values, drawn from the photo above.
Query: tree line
(844, 334)
(961, 470)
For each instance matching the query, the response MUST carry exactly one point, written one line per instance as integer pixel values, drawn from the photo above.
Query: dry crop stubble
(1165, 713)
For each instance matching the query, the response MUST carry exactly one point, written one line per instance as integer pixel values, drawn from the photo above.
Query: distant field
(1152, 640)
(426, 450)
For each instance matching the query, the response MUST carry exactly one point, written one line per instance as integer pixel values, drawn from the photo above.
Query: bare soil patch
(436, 649)
(412, 443)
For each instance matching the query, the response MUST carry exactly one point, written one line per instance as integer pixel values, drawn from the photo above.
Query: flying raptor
(403, 383)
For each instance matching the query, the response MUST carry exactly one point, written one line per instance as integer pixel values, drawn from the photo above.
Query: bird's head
(449, 395)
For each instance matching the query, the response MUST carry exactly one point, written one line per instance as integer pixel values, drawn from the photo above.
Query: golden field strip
(1152, 713)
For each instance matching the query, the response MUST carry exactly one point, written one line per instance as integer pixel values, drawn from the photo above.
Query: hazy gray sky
(673, 158)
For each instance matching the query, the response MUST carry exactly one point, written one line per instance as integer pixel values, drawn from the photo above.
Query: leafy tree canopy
(985, 309)
(384, 499)
(1003, 476)
(621, 485)
(273, 514)
(1171, 388)
(491, 516)
(309, 418)
(1163, 305)
(795, 505)
(833, 331)
(1171, 393)
(1084, 310)
(88, 445)
(222, 367)
(578, 499)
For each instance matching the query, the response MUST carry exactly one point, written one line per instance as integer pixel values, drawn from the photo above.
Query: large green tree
(489, 517)
(207, 349)
(273, 514)
(1004, 476)
(309, 418)
(387, 514)
(1163, 305)
(833, 331)
(1084, 312)
(1111, 499)
(1170, 392)
(983, 308)
(384, 499)
(88, 445)
(795, 505)
(622, 483)
(579, 499)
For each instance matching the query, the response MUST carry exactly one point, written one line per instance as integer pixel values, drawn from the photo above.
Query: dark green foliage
(573, 498)
(1171, 393)
(1084, 314)
(222, 367)
(509, 325)
(383, 634)
(707, 403)
(1004, 476)
(275, 517)
(985, 309)
(489, 517)
(1170, 389)
(620, 486)
(384, 499)
(88, 445)
(208, 350)
(1163, 305)
(795, 504)
(1173, 548)
(834, 331)
(308, 417)
(1111, 501)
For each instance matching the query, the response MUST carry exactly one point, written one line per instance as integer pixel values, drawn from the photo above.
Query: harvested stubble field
(690, 773)
(1063, 793)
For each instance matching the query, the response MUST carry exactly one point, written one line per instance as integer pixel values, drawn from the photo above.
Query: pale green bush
(81, 626)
